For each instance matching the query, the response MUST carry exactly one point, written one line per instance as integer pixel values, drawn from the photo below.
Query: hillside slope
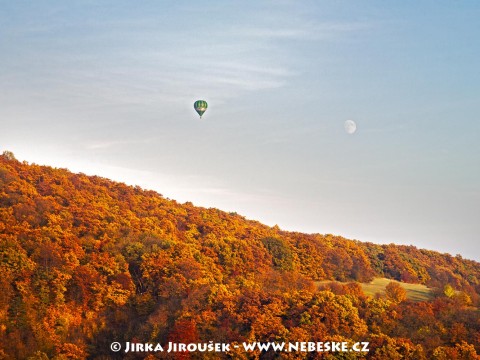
(86, 261)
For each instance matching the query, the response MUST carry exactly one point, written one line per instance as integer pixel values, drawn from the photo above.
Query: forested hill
(86, 261)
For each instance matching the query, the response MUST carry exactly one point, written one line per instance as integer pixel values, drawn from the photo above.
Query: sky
(107, 88)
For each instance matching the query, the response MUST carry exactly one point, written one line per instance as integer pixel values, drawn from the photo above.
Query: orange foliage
(86, 261)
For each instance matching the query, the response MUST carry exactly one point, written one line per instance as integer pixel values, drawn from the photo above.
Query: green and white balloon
(200, 107)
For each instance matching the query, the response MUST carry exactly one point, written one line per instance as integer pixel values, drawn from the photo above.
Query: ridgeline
(85, 261)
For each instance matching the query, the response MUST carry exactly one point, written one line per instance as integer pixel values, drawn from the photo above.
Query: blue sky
(107, 88)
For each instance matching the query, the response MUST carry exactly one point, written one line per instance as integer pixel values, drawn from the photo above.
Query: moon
(350, 126)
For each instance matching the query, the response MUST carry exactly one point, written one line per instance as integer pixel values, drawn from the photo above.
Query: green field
(415, 292)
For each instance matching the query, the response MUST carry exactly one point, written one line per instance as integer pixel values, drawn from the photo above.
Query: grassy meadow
(415, 292)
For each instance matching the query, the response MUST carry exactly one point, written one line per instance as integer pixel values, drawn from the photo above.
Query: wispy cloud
(112, 144)
(307, 31)
(98, 62)
(275, 33)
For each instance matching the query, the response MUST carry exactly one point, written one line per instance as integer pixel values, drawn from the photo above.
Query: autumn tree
(395, 292)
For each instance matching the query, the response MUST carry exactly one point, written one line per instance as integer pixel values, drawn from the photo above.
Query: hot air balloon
(200, 107)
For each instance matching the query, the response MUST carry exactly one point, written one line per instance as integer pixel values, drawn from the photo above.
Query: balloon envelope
(200, 107)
